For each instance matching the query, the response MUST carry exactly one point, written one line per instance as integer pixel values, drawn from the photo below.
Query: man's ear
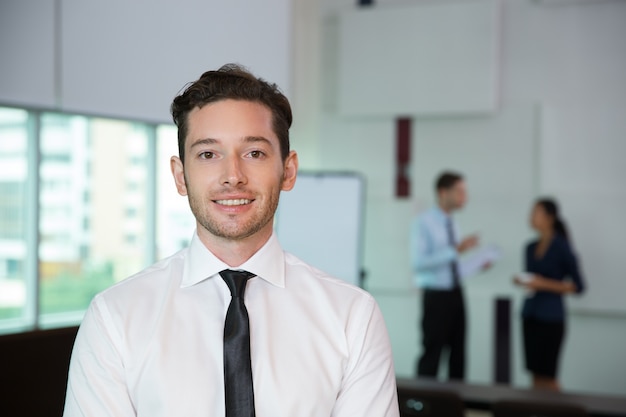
(178, 171)
(290, 171)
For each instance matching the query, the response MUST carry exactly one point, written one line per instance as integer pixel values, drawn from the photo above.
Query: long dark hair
(551, 208)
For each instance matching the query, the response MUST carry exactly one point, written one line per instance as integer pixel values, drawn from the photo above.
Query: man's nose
(233, 172)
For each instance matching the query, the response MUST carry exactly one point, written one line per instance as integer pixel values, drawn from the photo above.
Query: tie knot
(236, 281)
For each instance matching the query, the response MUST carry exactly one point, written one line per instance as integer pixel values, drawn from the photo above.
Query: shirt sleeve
(424, 254)
(96, 385)
(369, 385)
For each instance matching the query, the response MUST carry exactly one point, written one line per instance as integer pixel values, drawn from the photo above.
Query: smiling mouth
(237, 202)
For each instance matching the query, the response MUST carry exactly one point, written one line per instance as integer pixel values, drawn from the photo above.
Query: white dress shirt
(152, 344)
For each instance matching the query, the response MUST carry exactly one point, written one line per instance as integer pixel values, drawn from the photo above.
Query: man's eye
(256, 154)
(207, 155)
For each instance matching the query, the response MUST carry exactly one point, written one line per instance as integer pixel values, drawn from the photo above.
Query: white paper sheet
(476, 261)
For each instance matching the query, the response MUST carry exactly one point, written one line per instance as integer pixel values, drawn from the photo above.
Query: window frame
(32, 318)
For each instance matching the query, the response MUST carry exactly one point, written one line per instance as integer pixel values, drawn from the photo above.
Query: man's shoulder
(428, 219)
(150, 278)
(429, 214)
(308, 276)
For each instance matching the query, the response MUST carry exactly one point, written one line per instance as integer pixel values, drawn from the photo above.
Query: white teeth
(237, 202)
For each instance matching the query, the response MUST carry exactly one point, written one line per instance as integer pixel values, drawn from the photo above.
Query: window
(175, 223)
(14, 127)
(84, 202)
(93, 157)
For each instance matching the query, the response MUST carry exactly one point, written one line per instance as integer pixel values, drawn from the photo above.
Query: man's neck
(445, 209)
(234, 252)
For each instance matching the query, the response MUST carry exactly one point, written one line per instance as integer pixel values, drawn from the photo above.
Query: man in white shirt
(152, 345)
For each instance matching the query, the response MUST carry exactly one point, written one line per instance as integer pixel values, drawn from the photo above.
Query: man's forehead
(241, 120)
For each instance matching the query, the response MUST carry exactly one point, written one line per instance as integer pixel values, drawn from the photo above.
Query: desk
(481, 397)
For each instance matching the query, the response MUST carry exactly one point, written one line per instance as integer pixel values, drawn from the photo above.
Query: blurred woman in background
(551, 271)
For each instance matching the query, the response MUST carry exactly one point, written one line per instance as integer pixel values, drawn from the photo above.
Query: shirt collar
(440, 213)
(268, 263)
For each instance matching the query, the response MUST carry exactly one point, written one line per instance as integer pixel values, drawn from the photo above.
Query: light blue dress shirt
(431, 251)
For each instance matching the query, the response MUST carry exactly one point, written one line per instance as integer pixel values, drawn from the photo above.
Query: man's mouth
(236, 202)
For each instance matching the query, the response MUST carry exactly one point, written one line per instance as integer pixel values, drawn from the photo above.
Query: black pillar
(502, 339)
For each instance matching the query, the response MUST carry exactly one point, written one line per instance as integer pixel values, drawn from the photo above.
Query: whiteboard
(320, 222)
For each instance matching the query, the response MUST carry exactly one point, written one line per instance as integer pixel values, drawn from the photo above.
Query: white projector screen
(426, 58)
(320, 220)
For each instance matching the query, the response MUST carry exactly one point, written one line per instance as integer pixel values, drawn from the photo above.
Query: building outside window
(13, 203)
(84, 203)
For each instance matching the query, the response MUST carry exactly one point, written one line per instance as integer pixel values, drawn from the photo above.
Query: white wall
(27, 66)
(129, 59)
(559, 130)
(458, 76)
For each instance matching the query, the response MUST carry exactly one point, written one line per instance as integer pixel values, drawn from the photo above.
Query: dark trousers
(443, 326)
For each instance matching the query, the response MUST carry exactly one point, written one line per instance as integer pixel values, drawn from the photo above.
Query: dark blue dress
(559, 263)
(544, 312)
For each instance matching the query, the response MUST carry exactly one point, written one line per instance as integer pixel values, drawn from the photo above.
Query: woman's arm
(574, 271)
(575, 284)
(540, 283)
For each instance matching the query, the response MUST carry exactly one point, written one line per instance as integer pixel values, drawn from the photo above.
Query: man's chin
(233, 234)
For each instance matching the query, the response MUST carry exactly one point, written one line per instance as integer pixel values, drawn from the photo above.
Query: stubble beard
(233, 230)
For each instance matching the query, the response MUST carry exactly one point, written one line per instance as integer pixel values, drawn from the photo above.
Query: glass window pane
(175, 223)
(13, 201)
(93, 175)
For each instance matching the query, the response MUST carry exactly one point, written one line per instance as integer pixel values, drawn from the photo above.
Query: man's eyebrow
(252, 139)
(206, 141)
(248, 139)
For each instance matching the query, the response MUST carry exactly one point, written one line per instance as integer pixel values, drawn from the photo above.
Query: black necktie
(237, 365)
(454, 266)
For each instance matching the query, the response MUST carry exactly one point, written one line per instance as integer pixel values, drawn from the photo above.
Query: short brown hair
(447, 180)
(232, 81)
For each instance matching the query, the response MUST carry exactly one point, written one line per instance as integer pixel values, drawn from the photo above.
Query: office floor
(478, 413)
